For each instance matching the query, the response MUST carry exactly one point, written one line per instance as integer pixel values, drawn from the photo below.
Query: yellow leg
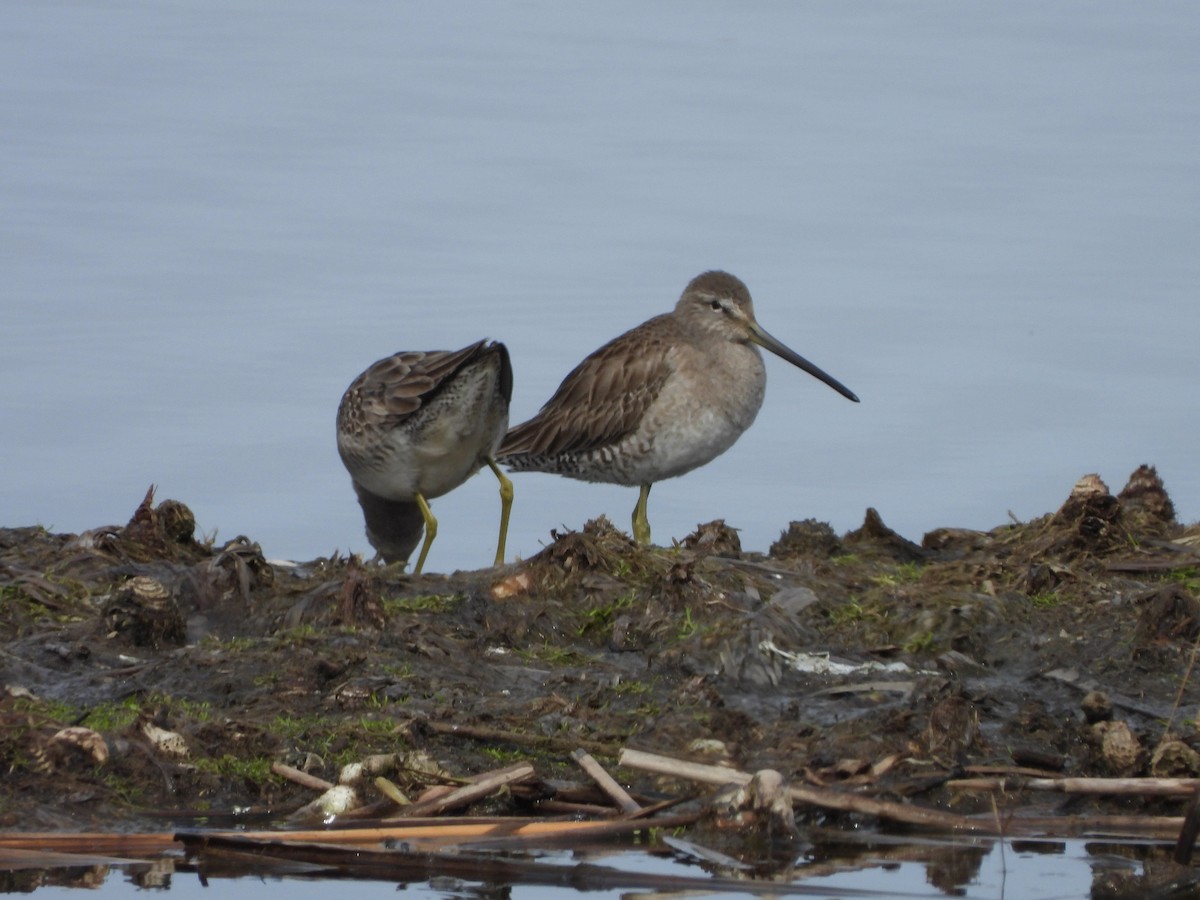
(506, 499)
(641, 525)
(430, 532)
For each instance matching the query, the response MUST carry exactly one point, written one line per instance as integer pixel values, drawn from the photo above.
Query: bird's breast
(698, 415)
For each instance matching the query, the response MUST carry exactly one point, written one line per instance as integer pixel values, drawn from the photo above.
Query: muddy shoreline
(150, 679)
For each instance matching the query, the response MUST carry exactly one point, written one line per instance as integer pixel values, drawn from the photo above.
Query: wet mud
(149, 678)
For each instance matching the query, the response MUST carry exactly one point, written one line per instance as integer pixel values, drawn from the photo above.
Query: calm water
(984, 218)
(1026, 870)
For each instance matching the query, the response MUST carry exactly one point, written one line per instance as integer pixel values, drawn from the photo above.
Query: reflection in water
(956, 867)
(156, 875)
(28, 880)
(840, 862)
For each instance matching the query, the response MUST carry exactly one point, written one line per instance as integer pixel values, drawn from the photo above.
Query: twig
(655, 808)
(1164, 827)
(1144, 787)
(301, 778)
(504, 827)
(94, 842)
(1155, 565)
(1155, 826)
(1025, 771)
(606, 782)
(606, 828)
(827, 799)
(142, 844)
(467, 794)
(1187, 834)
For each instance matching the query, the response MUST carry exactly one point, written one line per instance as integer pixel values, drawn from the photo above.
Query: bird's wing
(394, 388)
(602, 400)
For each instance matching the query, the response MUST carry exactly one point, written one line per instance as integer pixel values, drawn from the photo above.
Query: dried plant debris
(147, 671)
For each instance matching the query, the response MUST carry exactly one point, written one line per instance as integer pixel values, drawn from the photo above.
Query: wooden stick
(512, 827)
(1165, 827)
(520, 767)
(607, 828)
(139, 845)
(479, 788)
(1187, 833)
(149, 843)
(827, 799)
(1154, 826)
(145, 844)
(1009, 770)
(655, 808)
(605, 781)
(567, 808)
(301, 778)
(1144, 787)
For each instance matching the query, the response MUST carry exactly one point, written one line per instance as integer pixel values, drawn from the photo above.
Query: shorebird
(660, 400)
(415, 426)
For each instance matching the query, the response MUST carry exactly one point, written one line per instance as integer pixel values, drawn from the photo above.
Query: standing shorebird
(660, 400)
(415, 426)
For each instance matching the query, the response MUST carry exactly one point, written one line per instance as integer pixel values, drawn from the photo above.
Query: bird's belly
(674, 446)
(441, 459)
(695, 420)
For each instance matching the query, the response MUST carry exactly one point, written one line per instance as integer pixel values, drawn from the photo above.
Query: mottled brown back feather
(603, 399)
(394, 388)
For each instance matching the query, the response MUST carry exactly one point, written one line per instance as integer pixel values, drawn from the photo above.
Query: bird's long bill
(761, 337)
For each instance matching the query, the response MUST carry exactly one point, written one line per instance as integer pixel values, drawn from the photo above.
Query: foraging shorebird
(660, 400)
(415, 426)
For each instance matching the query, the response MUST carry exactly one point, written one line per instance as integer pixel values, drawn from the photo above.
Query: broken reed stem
(606, 782)
(1187, 832)
(1144, 787)
(827, 799)
(566, 808)
(477, 789)
(302, 778)
(140, 845)
(1154, 826)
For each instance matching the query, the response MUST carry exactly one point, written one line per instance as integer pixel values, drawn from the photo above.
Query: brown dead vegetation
(862, 663)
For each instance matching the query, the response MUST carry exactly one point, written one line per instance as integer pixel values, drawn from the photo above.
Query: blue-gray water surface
(983, 218)
(1029, 870)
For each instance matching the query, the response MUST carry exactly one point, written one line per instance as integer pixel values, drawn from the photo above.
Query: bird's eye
(716, 304)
